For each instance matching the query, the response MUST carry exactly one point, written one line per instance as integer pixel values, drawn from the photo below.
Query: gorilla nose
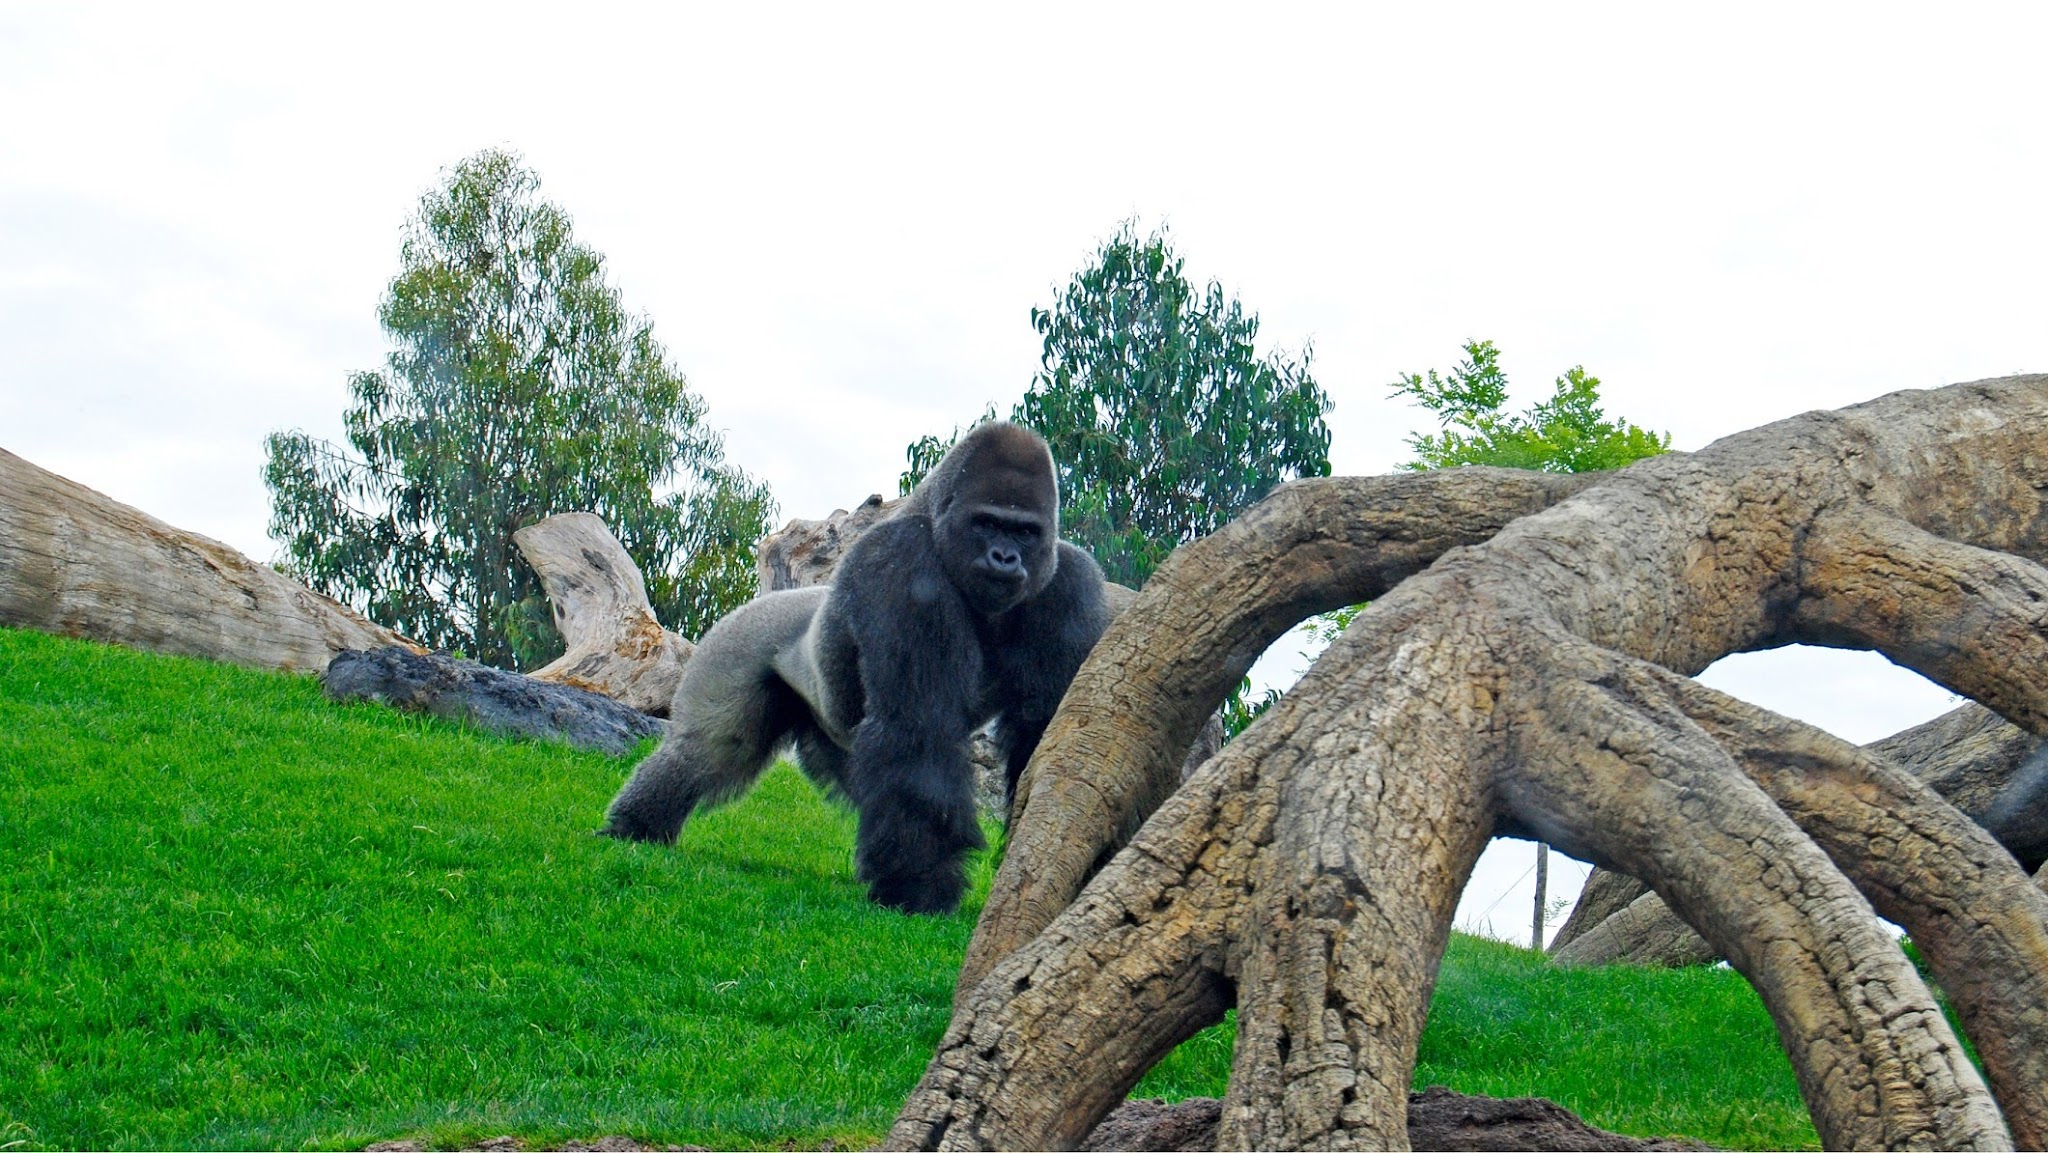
(1005, 560)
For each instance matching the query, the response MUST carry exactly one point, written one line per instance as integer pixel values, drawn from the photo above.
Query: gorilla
(962, 607)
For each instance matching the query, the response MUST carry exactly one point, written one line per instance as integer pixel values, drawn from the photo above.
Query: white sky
(839, 217)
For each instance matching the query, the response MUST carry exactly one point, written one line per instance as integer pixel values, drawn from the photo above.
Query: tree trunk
(615, 646)
(1536, 684)
(76, 563)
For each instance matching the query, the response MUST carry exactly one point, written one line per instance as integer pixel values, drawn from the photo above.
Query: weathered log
(80, 564)
(804, 552)
(615, 646)
(1643, 932)
(1994, 771)
(1538, 684)
(1604, 894)
(505, 703)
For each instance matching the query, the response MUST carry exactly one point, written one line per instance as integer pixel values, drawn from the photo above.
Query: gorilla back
(964, 606)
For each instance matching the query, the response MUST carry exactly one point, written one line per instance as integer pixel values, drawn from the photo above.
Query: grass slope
(235, 915)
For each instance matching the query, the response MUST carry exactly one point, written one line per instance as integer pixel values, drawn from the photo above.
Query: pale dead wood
(615, 646)
(1994, 772)
(80, 564)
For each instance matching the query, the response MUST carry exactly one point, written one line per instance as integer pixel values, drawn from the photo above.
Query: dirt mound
(1437, 1119)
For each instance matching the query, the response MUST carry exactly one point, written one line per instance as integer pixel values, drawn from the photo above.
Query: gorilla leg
(730, 712)
(718, 750)
(915, 793)
(822, 761)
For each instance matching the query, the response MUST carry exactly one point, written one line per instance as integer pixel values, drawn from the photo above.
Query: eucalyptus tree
(518, 386)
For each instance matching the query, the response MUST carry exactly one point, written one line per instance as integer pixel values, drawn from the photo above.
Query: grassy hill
(233, 914)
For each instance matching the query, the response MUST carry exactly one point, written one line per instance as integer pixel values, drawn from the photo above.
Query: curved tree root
(1534, 683)
(1312, 546)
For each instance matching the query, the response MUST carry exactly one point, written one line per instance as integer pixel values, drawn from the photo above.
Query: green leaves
(518, 386)
(1567, 433)
(1164, 420)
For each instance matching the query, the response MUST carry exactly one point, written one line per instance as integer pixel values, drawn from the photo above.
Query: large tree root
(1996, 773)
(1534, 684)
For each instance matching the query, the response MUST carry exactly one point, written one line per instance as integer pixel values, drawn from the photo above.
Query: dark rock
(491, 699)
(1437, 1119)
(1150, 1126)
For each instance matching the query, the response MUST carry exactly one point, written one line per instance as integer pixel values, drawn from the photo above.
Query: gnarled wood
(80, 564)
(614, 644)
(1312, 546)
(1991, 770)
(1538, 684)
(804, 552)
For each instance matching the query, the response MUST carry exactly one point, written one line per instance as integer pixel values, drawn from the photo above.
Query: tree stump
(80, 564)
(614, 644)
(1535, 683)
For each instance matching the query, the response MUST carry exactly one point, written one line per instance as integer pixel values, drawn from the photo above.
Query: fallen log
(80, 564)
(500, 702)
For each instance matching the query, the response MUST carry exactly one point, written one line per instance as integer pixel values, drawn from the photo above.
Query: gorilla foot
(932, 894)
(624, 828)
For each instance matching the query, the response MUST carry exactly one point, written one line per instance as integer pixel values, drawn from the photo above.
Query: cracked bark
(1535, 683)
(1993, 771)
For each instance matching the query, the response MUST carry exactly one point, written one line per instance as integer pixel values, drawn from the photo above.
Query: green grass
(233, 914)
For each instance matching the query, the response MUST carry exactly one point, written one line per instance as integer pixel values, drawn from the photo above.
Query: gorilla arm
(899, 624)
(1054, 632)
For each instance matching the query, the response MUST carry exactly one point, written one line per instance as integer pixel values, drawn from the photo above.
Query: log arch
(1532, 677)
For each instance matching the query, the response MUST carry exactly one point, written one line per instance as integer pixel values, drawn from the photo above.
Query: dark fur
(964, 606)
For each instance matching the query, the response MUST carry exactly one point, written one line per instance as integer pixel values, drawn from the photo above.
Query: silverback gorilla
(963, 606)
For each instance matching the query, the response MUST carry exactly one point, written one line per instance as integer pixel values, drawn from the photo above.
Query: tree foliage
(1566, 433)
(1164, 419)
(518, 386)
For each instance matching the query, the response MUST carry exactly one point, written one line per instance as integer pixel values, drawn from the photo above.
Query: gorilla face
(995, 508)
(997, 556)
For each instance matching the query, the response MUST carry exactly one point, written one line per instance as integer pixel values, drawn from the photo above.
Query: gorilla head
(994, 503)
(962, 607)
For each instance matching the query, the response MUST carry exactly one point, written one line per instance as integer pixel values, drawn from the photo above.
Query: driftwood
(1994, 771)
(1536, 683)
(77, 563)
(615, 646)
(494, 700)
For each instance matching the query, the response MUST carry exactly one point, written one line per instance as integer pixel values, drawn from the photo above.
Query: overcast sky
(840, 217)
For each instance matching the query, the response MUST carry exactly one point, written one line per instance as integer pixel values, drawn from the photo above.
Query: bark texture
(79, 564)
(804, 552)
(1993, 771)
(614, 644)
(1536, 683)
